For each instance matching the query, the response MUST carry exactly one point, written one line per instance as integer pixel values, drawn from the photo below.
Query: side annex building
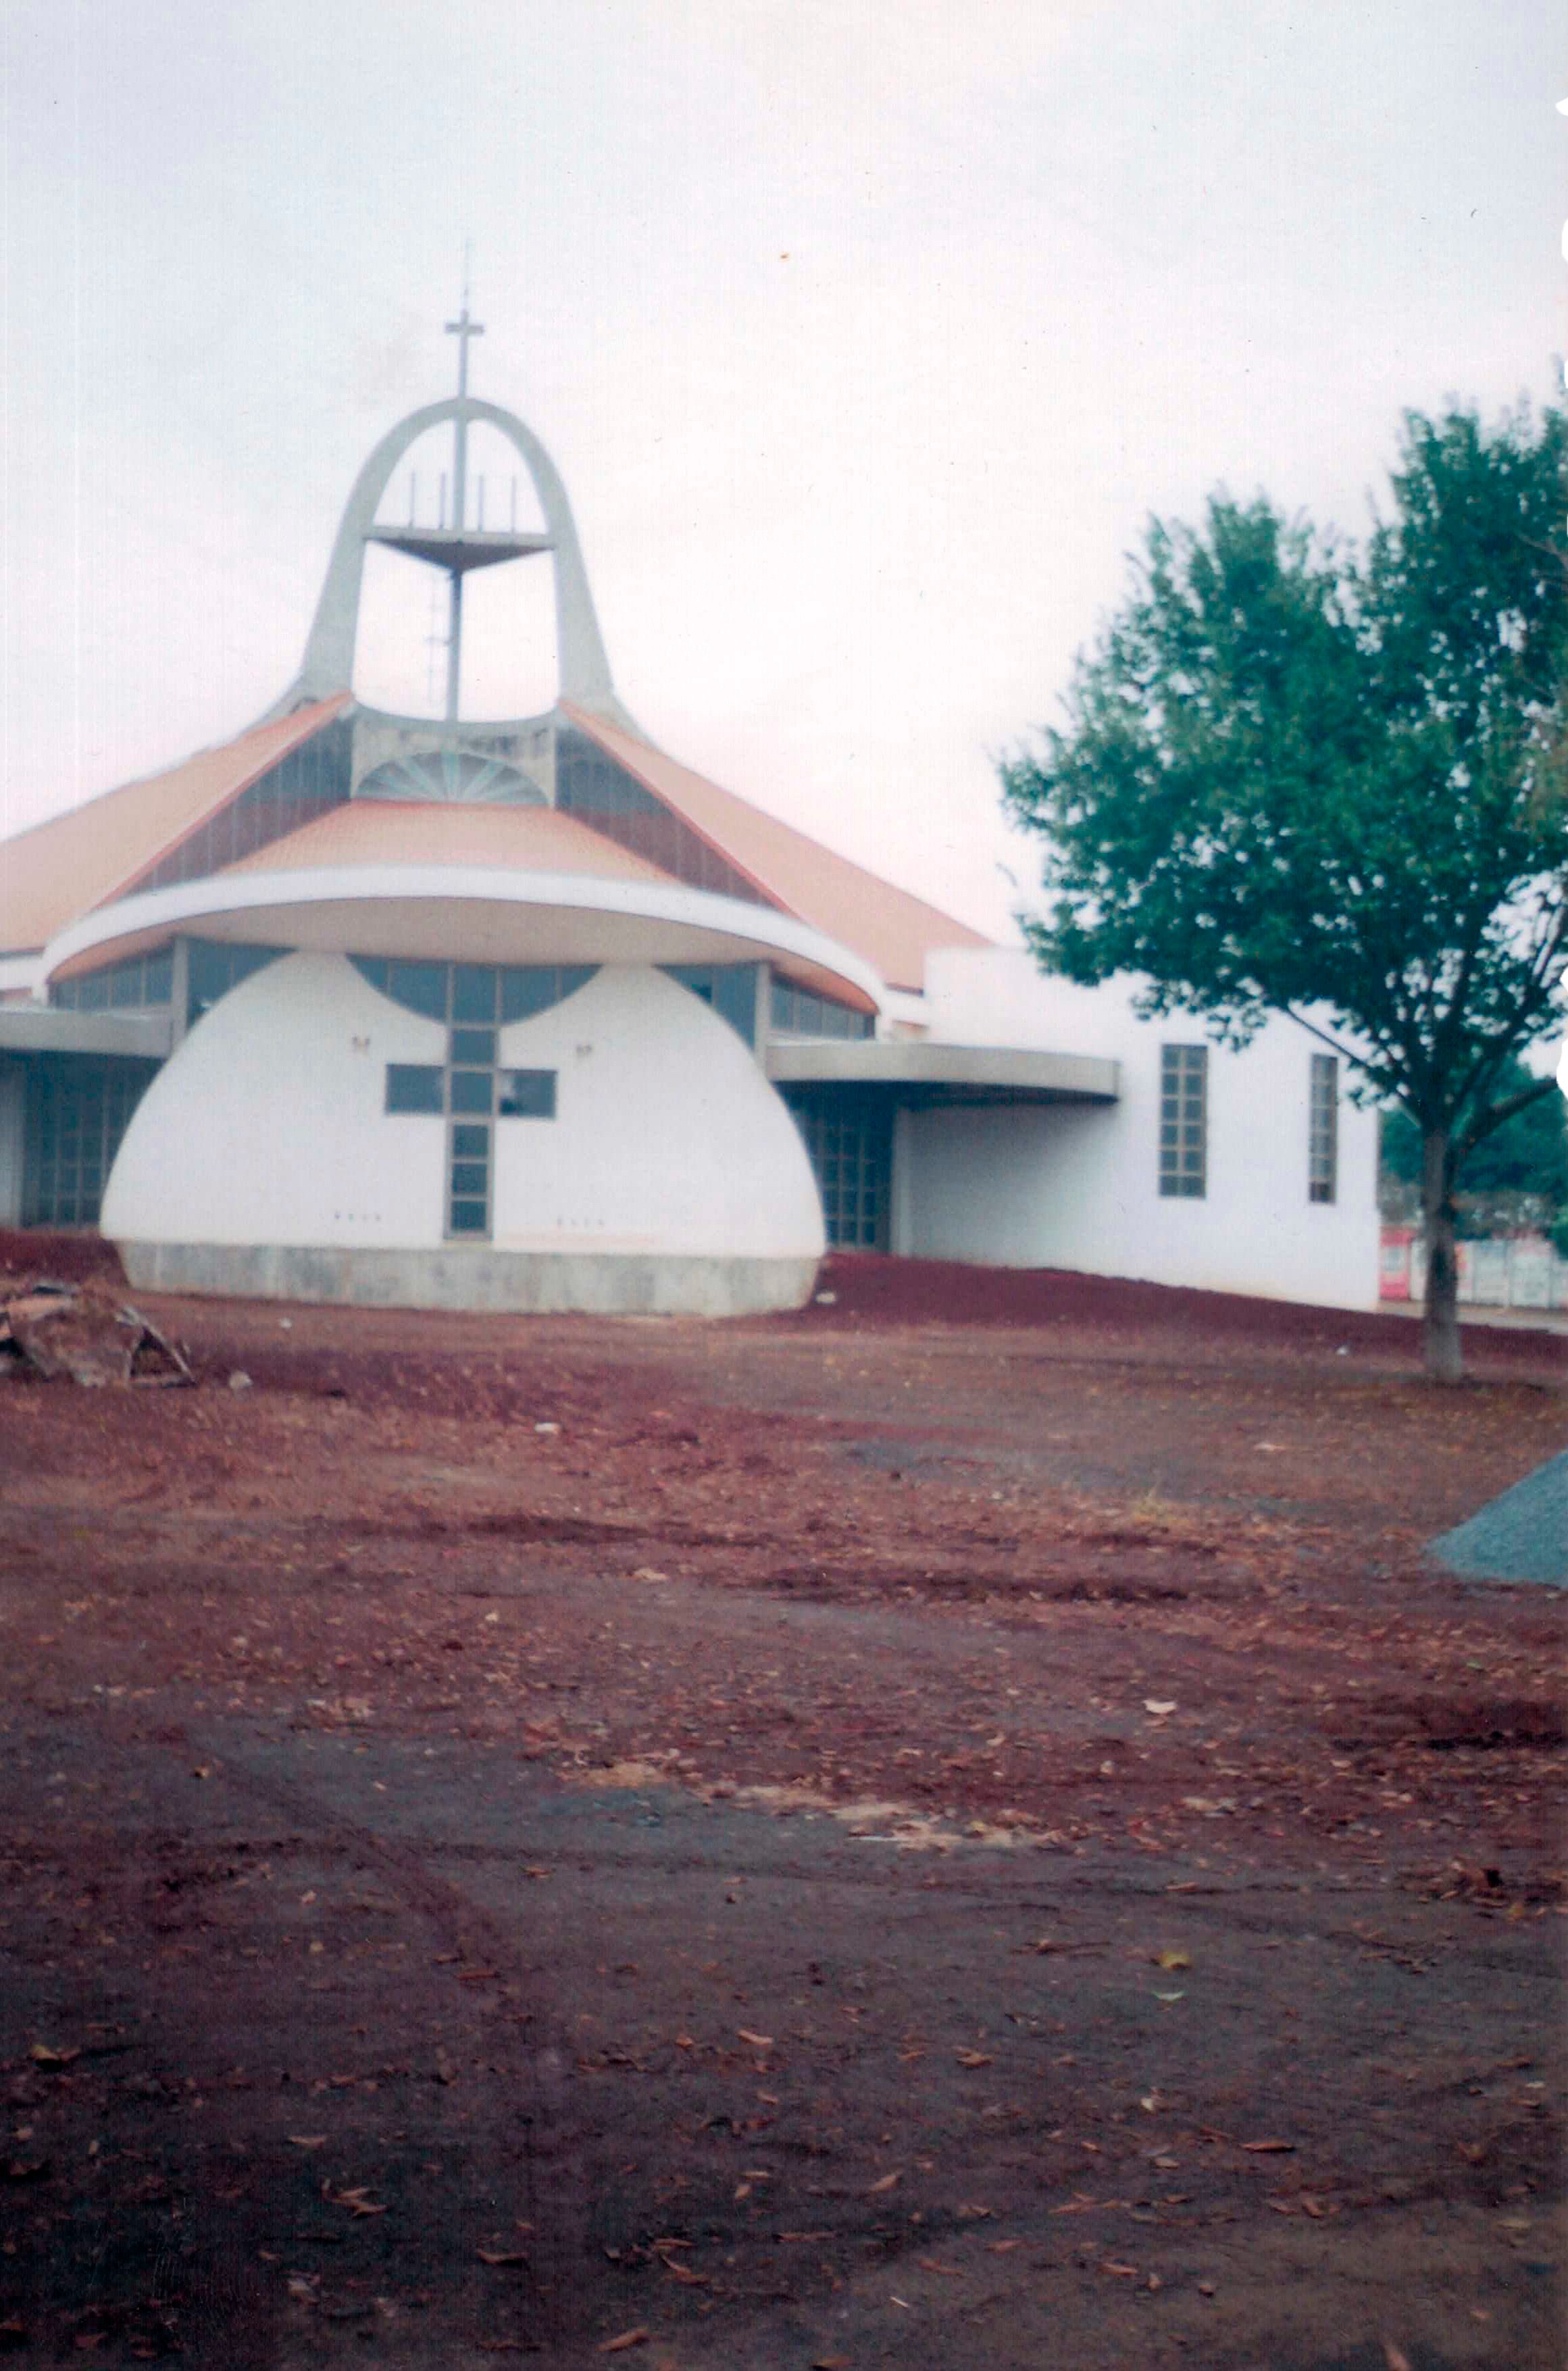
(528, 1015)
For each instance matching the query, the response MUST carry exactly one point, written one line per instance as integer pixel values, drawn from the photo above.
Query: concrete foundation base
(476, 1276)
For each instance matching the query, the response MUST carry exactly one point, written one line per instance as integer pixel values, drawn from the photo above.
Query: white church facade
(528, 1016)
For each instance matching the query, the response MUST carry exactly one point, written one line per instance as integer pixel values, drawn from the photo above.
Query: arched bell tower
(457, 550)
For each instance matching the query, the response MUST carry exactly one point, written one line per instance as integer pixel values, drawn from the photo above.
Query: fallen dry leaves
(358, 2200)
(378, 1512)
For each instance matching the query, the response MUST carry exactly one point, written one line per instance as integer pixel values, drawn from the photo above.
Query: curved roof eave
(507, 917)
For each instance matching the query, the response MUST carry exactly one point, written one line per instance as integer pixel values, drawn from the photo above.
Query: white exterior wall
(667, 1136)
(21, 979)
(268, 1126)
(1077, 1187)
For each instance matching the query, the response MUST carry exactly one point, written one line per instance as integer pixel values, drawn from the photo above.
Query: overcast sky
(864, 333)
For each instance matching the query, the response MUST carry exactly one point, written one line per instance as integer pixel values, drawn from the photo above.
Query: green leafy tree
(1296, 777)
(1526, 1158)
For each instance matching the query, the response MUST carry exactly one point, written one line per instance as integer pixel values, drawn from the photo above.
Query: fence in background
(1521, 1272)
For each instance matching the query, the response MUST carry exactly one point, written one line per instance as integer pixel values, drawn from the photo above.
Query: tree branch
(1498, 1114)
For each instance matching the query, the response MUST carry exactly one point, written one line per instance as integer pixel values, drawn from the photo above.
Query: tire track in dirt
(531, 2073)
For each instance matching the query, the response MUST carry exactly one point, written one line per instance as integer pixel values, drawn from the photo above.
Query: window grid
(525, 1094)
(140, 985)
(796, 1013)
(475, 1002)
(417, 1087)
(589, 784)
(1183, 1122)
(213, 966)
(850, 1146)
(77, 1112)
(1322, 1138)
(729, 989)
(309, 782)
(428, 987)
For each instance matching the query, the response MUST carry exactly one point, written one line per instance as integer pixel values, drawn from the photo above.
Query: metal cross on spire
(452, 544)
(463, 330)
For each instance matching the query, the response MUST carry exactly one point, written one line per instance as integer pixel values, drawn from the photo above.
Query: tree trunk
(1445, 1359)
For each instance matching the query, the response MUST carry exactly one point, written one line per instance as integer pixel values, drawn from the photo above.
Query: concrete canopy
(918, 1071)
(40, 1029)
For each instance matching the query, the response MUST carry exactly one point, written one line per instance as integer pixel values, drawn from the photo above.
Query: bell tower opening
(508, 664)
(456, 641)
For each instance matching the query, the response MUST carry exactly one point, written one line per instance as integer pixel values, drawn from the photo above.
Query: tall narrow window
(1322, 1130)
(1183, 1121)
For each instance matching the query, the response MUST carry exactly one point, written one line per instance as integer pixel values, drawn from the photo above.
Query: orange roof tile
(892, 930)
(58, 870)
(398, 831)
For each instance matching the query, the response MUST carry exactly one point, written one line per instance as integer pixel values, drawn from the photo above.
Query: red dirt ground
(957, 1828)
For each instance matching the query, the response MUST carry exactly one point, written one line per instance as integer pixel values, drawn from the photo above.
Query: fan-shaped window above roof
(462, 776)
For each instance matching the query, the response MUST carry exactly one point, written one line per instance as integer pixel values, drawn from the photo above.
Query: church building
(525, 1014)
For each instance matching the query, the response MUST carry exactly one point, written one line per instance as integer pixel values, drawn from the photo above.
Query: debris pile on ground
(83, 1331)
